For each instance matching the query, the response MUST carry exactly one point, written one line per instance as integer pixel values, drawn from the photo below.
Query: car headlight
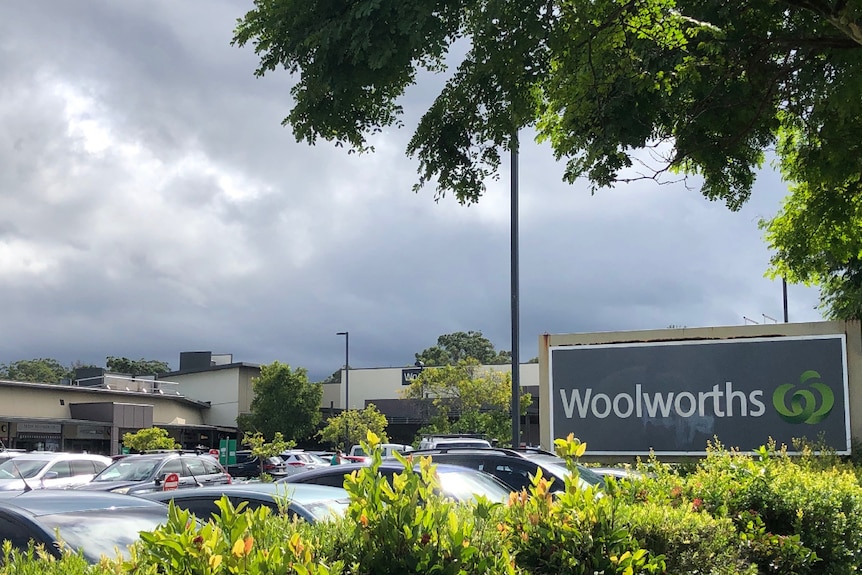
(122, 490)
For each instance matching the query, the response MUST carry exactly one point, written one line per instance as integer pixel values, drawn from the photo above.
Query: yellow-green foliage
(735, 514)
(691, 541)
(149, 438)
(578, 531)
(38, 561)
(406, 526)
(787, 512)
(254, 542)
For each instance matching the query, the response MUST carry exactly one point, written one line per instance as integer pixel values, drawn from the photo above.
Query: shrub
(406, 527)
(253, 542)
(579, 531)
(807, 509)
(37, 561)
(691, 542)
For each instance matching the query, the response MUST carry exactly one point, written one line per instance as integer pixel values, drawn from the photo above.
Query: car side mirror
(51, 475)
(161, 477)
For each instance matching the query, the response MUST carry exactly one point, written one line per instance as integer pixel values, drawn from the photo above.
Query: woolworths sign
(673, 397)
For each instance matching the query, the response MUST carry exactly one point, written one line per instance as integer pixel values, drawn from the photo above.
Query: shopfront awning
(25, 435)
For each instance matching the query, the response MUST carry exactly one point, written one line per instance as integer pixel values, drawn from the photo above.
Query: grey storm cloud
(152, 203)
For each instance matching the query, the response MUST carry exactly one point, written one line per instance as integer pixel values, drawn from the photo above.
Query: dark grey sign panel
(674, 397)
(409, 374)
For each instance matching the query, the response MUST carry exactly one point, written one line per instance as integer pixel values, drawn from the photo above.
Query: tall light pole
(516, 309)
(346, 385)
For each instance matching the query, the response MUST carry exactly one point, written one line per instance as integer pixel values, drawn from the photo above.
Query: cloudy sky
(152, 203)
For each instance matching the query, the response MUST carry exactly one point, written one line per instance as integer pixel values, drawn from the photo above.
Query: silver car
(46, 470)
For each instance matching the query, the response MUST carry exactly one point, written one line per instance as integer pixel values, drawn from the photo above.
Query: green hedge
(734, 513)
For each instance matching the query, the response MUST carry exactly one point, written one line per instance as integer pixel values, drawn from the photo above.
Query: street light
(346, 368)
(346, 384)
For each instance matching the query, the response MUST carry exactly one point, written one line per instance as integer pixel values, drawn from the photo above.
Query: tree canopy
(149, 438)
(817, 238)
(467, 398)
(262, 449)
(285, 402)
(706, 85)
(350, 427)
(453, 348)
(621, 89)
(136, 366)
(41, 370)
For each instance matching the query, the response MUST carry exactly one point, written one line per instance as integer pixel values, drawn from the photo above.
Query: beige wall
(385, 383)
(43, 402)
(246, 389)
(331, 396)
(852, 330)
(222, 388)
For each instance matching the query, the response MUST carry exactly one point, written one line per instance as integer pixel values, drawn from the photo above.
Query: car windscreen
(466, 485)
(126, 470)
(557, 466)
(102, 532)
(328, 508)
(17, 468)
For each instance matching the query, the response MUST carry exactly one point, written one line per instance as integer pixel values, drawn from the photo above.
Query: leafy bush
(783, 554)
(37, 561)
(252, 542)
(811, 519)
(579, 531)
(733, 514)
(406, 527)
(691, 541)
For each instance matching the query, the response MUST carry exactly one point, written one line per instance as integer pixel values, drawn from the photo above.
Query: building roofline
(235, 365)
(98, 390)
(71, 421)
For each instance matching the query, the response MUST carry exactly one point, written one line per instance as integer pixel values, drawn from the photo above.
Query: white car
(297, 461)
(46, 470)
(386, 450)
(442, 441)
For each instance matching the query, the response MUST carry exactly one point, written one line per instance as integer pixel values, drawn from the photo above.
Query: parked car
(297, 460)
(96, 524)
(619, 473)
(10, 453)
(557, 465)
(436, 441)
(512, 467)
(48, 470)
(459, 483)
(146, 472)
(387, 449)
(248, 465)
(309, 502)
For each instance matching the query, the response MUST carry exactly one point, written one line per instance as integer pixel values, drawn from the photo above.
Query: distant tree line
(48, 370)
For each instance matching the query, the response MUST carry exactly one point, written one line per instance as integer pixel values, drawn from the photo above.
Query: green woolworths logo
(802, 407)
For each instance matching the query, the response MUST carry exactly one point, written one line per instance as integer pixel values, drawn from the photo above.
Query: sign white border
(840, 336)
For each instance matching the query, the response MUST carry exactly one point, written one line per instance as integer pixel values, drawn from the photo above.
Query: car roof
(163, 455)
(346, 468)
(48, 502)
(553, 463)
(299, 492)
(52, 455)
(135, 456)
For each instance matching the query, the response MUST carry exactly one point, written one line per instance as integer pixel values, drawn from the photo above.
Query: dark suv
(248, 465)
(514, 468)
(146, 472)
